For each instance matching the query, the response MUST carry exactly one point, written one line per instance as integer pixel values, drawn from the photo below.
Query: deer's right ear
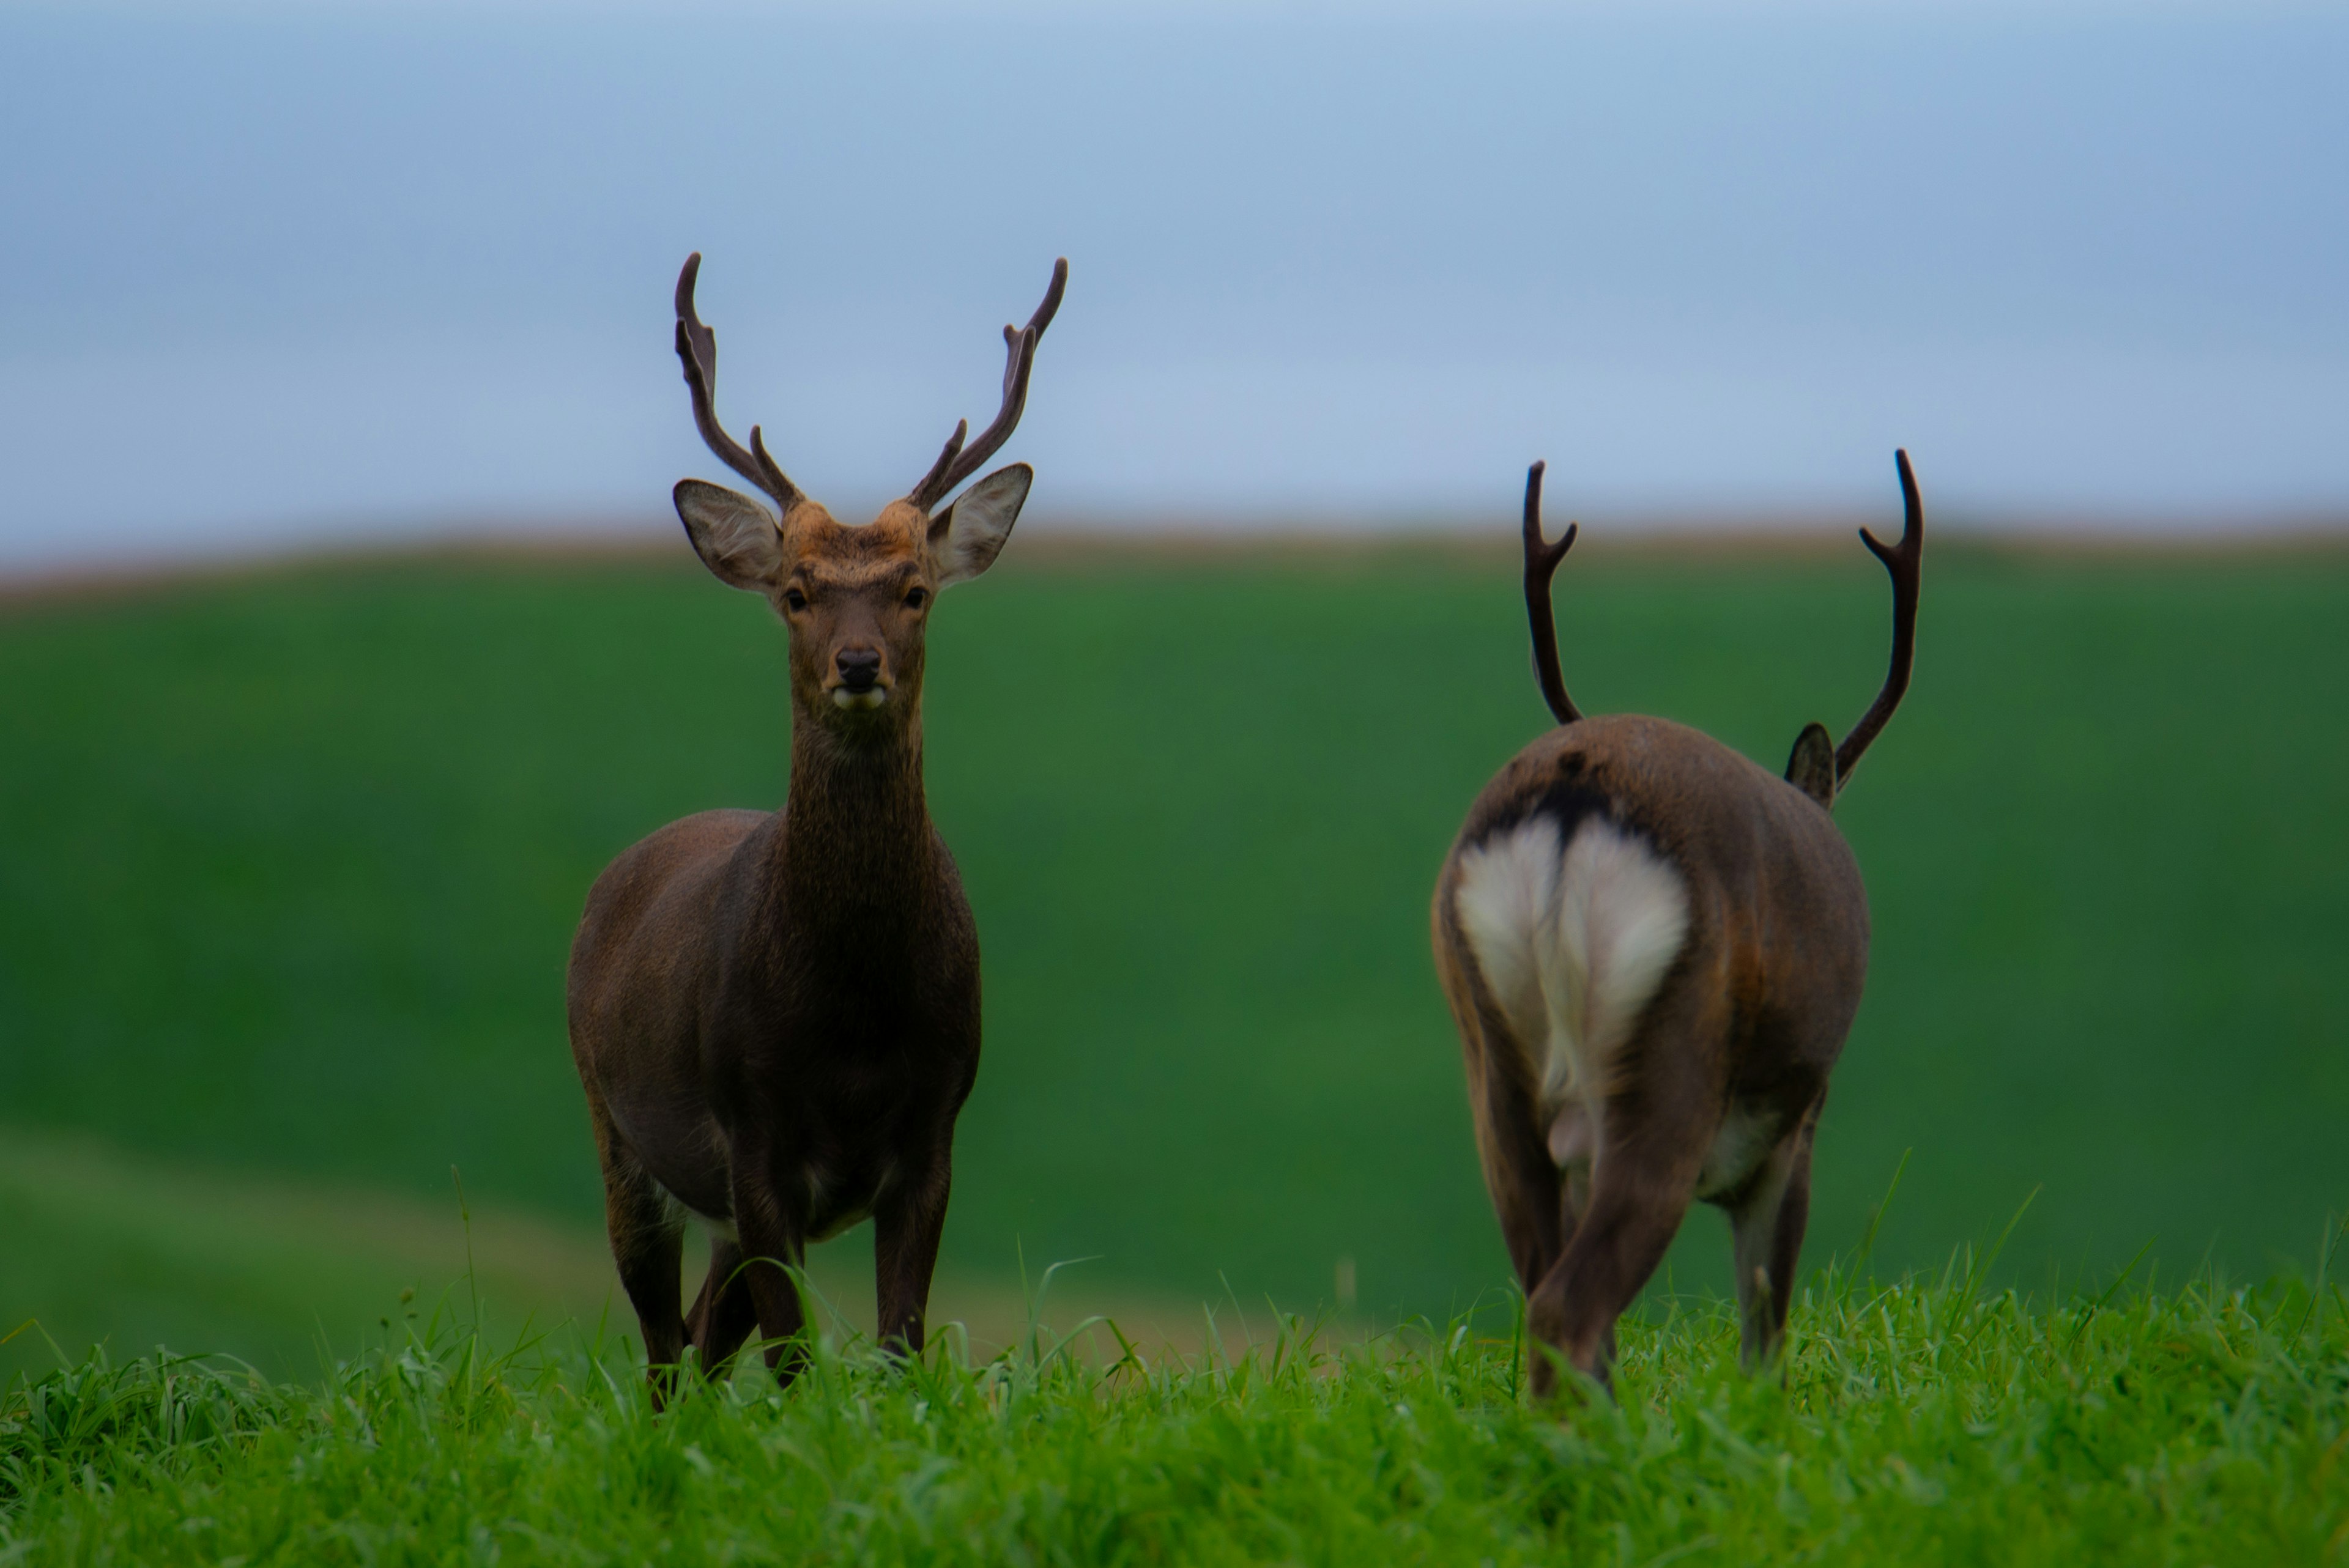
(1811, 768)
(733, 534)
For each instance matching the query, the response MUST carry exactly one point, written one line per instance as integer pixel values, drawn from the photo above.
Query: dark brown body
(776, 1035)
(1653, 950)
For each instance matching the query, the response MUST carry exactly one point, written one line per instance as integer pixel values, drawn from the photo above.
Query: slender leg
(722, 1315)
(1766, 1231)
(1639, 1194)
(1511, 1140)
(771, 1232)
(698, 1314)
(1654, 1124)
(1575, 1202)
(647, 1245)
(905, 1231)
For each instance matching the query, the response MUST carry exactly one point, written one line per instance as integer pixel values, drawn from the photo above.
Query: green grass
(288, 866)
(1929, 1422)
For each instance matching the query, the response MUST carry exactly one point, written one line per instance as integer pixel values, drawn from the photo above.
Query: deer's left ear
(966, 539)
(1811, 768)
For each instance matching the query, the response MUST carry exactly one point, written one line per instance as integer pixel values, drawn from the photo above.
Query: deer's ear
(1811, 768)
(733, 534)
(967, 539)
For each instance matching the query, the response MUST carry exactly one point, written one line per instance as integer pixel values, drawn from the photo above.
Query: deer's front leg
(1767, 1226)
(772, 1232)
(906, 1225)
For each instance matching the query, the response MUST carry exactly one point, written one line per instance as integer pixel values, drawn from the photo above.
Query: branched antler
(696, 349)
(1541, 565)
(957, 463)
(1905, 561)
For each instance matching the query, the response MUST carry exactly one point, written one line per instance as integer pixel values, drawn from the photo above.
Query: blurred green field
(289, 863)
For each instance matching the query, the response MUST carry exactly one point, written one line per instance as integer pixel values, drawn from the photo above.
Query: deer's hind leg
(1655, 1126)
(1512, 1144)
(723, 1314)
(647, 1245)
(771, 1227)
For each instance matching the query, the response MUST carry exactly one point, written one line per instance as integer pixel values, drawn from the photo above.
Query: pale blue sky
(275, 271)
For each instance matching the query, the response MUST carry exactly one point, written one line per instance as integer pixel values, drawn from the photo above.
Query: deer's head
(856, 599)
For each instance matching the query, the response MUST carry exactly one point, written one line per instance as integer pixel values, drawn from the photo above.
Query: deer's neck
(856, 853)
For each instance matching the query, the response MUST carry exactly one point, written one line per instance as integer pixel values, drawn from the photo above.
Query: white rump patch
(1573, 944)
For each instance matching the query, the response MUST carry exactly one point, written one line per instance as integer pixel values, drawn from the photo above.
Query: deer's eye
(917, 598)
(794, 598)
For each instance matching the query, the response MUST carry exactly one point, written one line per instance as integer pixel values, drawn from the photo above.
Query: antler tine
(1541, 565)
(926, 493)
(1905, 563)
(957, 462)
(777, 483)
(696, 350)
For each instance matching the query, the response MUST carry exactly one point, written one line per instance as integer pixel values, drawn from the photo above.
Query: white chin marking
(842, 697)
(1574, 940)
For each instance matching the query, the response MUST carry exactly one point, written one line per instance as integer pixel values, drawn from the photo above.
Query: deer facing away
(776, 1015)
(1653, 950)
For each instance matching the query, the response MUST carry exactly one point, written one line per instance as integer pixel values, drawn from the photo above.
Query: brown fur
(1747, 1022)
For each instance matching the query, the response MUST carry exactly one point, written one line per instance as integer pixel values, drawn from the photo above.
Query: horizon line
(1073, 537)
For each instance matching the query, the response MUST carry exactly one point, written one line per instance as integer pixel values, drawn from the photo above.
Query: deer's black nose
(859, 668)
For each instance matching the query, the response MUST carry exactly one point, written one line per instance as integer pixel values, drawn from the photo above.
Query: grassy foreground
(1920, 1423)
